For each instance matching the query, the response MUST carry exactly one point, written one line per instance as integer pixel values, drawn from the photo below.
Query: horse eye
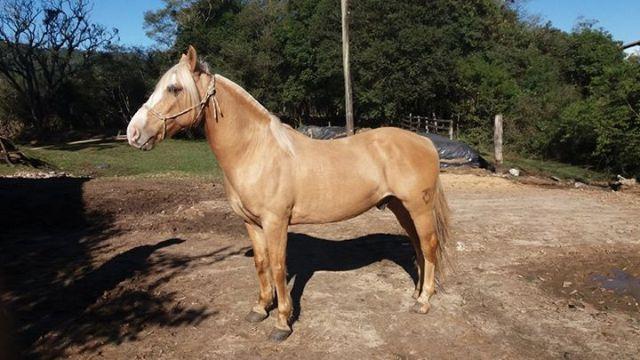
(173, 89)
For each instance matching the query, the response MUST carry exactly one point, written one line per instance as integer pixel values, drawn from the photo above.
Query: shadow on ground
(57, 292)
(307, 254)
(97, 144)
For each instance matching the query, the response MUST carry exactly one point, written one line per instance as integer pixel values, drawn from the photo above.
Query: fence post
(450, 129)
(497, 140)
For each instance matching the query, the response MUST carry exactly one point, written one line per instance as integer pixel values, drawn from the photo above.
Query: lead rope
(211, 92)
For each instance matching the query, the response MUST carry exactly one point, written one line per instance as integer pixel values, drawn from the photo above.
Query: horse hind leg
(425, 228)
(404, 218)
(430, 215)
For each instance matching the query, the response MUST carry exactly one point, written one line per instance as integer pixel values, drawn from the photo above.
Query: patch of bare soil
(598, 278)
(162, 269)
(181, 205)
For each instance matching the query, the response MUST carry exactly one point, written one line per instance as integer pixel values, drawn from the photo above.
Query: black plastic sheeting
(456, 153)
(323, 132)
(452, 153)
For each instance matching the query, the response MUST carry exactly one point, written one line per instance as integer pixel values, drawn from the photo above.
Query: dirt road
(161, 269)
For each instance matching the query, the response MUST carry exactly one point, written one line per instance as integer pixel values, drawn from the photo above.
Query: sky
(127, 16)
(620, 17)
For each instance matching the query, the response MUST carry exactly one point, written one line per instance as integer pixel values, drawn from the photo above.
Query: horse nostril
(135, 134)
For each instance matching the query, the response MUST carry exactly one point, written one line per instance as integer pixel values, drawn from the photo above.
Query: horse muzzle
(138, 138)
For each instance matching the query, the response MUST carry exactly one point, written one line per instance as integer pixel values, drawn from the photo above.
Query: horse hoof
(420, 308)
(255, 317)
(279, 335)
(416, 294)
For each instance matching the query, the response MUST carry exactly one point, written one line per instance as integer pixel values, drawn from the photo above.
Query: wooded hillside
(573, 97)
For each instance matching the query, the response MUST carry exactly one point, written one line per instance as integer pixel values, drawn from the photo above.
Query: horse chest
(243, 206)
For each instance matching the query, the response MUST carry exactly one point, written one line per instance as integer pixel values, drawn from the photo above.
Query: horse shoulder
(260, 186)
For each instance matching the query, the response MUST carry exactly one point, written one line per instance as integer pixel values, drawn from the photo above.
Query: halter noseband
(211, 92)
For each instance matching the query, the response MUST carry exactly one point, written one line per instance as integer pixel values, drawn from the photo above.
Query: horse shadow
(307, 255)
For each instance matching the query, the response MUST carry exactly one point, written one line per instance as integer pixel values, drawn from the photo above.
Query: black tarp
(456, 153)
(323, 132)
(452, 153)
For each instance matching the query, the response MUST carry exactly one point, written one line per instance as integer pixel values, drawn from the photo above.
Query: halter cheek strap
(211, 92)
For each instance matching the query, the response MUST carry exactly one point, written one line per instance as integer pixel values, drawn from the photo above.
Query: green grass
(170, 158)
(554, 168)
(193, 157)
(547, 168)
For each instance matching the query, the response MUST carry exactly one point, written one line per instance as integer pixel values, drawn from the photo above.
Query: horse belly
(337, 201)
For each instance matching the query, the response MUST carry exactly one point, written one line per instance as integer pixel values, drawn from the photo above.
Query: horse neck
(240, 126)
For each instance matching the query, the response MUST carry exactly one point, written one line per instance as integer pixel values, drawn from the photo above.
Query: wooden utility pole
(497, 140)
(348, 100)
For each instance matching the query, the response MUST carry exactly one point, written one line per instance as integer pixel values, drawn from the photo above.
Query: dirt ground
(162, 269)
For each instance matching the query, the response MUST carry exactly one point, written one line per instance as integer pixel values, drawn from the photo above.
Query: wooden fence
(431, 124)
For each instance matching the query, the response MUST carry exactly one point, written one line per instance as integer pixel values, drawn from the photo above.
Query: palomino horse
(275, 177)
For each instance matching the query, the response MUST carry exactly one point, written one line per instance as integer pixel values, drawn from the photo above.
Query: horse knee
(278, 270)
(261, 262)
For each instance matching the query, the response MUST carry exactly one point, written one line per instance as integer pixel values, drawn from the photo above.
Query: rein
(211, 92)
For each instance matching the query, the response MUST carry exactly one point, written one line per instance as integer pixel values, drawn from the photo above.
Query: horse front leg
(275, 230)
(261, 259)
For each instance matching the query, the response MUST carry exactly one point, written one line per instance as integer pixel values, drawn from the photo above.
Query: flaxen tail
(441, 220)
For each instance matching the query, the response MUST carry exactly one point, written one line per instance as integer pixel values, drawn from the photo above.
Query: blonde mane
(280, 132)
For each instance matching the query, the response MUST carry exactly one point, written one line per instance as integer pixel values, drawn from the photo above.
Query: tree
(161, 25)
(42, 45)
(572, 96)
(115, 86)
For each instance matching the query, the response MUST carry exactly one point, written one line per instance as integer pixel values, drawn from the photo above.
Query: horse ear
(191, 58)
